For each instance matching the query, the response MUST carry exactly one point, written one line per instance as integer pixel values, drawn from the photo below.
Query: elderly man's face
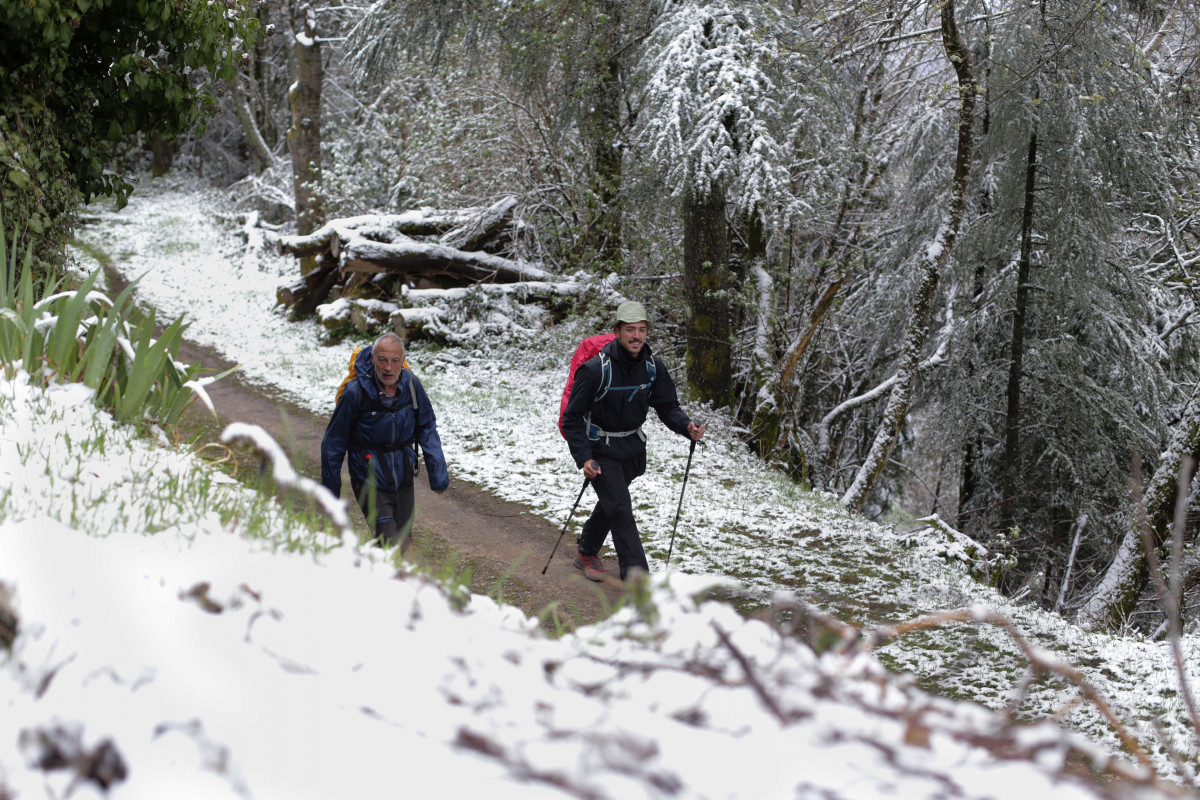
(388, 356)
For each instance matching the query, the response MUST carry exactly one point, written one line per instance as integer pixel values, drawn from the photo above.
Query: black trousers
(394, 513)
(614, 513)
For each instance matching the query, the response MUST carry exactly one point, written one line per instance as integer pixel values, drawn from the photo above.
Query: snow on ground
(497, 406)
(181, 654)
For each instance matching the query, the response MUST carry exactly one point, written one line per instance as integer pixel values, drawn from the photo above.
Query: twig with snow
(1040, 661)
(767, 700)
(269, 451)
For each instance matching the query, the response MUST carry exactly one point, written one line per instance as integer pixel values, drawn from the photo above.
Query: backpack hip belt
(362, 447)
(595, 434)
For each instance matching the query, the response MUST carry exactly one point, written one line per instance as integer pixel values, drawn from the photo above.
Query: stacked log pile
(423, 248)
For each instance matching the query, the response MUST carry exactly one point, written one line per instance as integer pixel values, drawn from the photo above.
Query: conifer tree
(1061, 343)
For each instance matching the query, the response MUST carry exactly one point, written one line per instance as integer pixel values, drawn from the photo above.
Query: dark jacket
(620, 410)
(363, 425)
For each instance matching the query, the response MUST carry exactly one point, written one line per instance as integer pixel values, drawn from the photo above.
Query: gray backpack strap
(605, 375)
(412, 394)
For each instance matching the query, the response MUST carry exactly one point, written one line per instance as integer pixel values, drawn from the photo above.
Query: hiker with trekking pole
(609, 398)
(380, 424)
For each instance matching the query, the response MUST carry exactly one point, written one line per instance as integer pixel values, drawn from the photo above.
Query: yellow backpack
(353, 373)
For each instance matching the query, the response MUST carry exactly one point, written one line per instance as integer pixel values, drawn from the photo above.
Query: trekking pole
(586, 481)
(686, 470)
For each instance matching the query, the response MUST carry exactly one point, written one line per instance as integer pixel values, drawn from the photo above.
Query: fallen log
(412, 258)
(370, 316)
(462, 245)
(481, 233)
(463, 228)
(317, 282)
(362, 314)
(542, 290)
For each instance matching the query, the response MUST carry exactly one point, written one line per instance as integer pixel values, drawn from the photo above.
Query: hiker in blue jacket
(612, 394)
(379, 421)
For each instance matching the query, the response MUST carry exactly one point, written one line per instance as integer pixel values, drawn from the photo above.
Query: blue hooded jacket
(376, 431)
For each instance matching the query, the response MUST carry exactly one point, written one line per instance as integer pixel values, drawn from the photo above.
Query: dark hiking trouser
(394, 513)
(614, 512)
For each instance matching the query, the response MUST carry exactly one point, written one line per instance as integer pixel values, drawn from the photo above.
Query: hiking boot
(591, 566)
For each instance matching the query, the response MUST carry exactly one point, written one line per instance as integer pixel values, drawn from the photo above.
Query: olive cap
(629, 311)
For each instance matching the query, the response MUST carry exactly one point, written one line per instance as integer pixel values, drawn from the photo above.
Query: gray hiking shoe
(591, 566)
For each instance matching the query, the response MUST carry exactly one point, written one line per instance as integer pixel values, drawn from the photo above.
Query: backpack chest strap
(361, 445)
(606, 379)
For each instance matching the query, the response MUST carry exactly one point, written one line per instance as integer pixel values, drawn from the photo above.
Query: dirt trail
(503, 544)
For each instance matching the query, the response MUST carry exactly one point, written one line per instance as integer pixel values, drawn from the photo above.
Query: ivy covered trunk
(304, 135)
(705, 278)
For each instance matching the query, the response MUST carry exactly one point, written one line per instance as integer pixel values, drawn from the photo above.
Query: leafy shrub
(77, 78)
(39, 197)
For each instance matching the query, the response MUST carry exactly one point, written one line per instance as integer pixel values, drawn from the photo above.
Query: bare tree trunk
(1163, 30)
(770, 433)
(1117, 592)
(968, 479)
(304, 136)
(1012, 419)
(164, 155)
(260, 154)
(931, 266)
(705, 271)
(799, 346)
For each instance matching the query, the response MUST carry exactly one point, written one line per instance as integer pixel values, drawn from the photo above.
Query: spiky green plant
(82, 335)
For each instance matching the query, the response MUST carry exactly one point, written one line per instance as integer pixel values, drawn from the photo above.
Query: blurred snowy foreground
(203, 661)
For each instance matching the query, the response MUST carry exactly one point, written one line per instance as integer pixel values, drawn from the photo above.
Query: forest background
(934, 257)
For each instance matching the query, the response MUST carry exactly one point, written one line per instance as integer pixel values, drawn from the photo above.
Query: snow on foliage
(714, 121)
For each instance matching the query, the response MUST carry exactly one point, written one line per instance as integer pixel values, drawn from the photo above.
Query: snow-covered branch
(257, 440)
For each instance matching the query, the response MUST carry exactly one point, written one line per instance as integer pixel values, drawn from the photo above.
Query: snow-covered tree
(717, 127)
(1167, 248)
(1059, 368)
(932, 263)
(566, 61)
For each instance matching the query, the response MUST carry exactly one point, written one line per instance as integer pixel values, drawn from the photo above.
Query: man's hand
(591, 469)
(696, 431)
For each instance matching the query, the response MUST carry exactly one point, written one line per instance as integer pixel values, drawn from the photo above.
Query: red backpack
(586, 349)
